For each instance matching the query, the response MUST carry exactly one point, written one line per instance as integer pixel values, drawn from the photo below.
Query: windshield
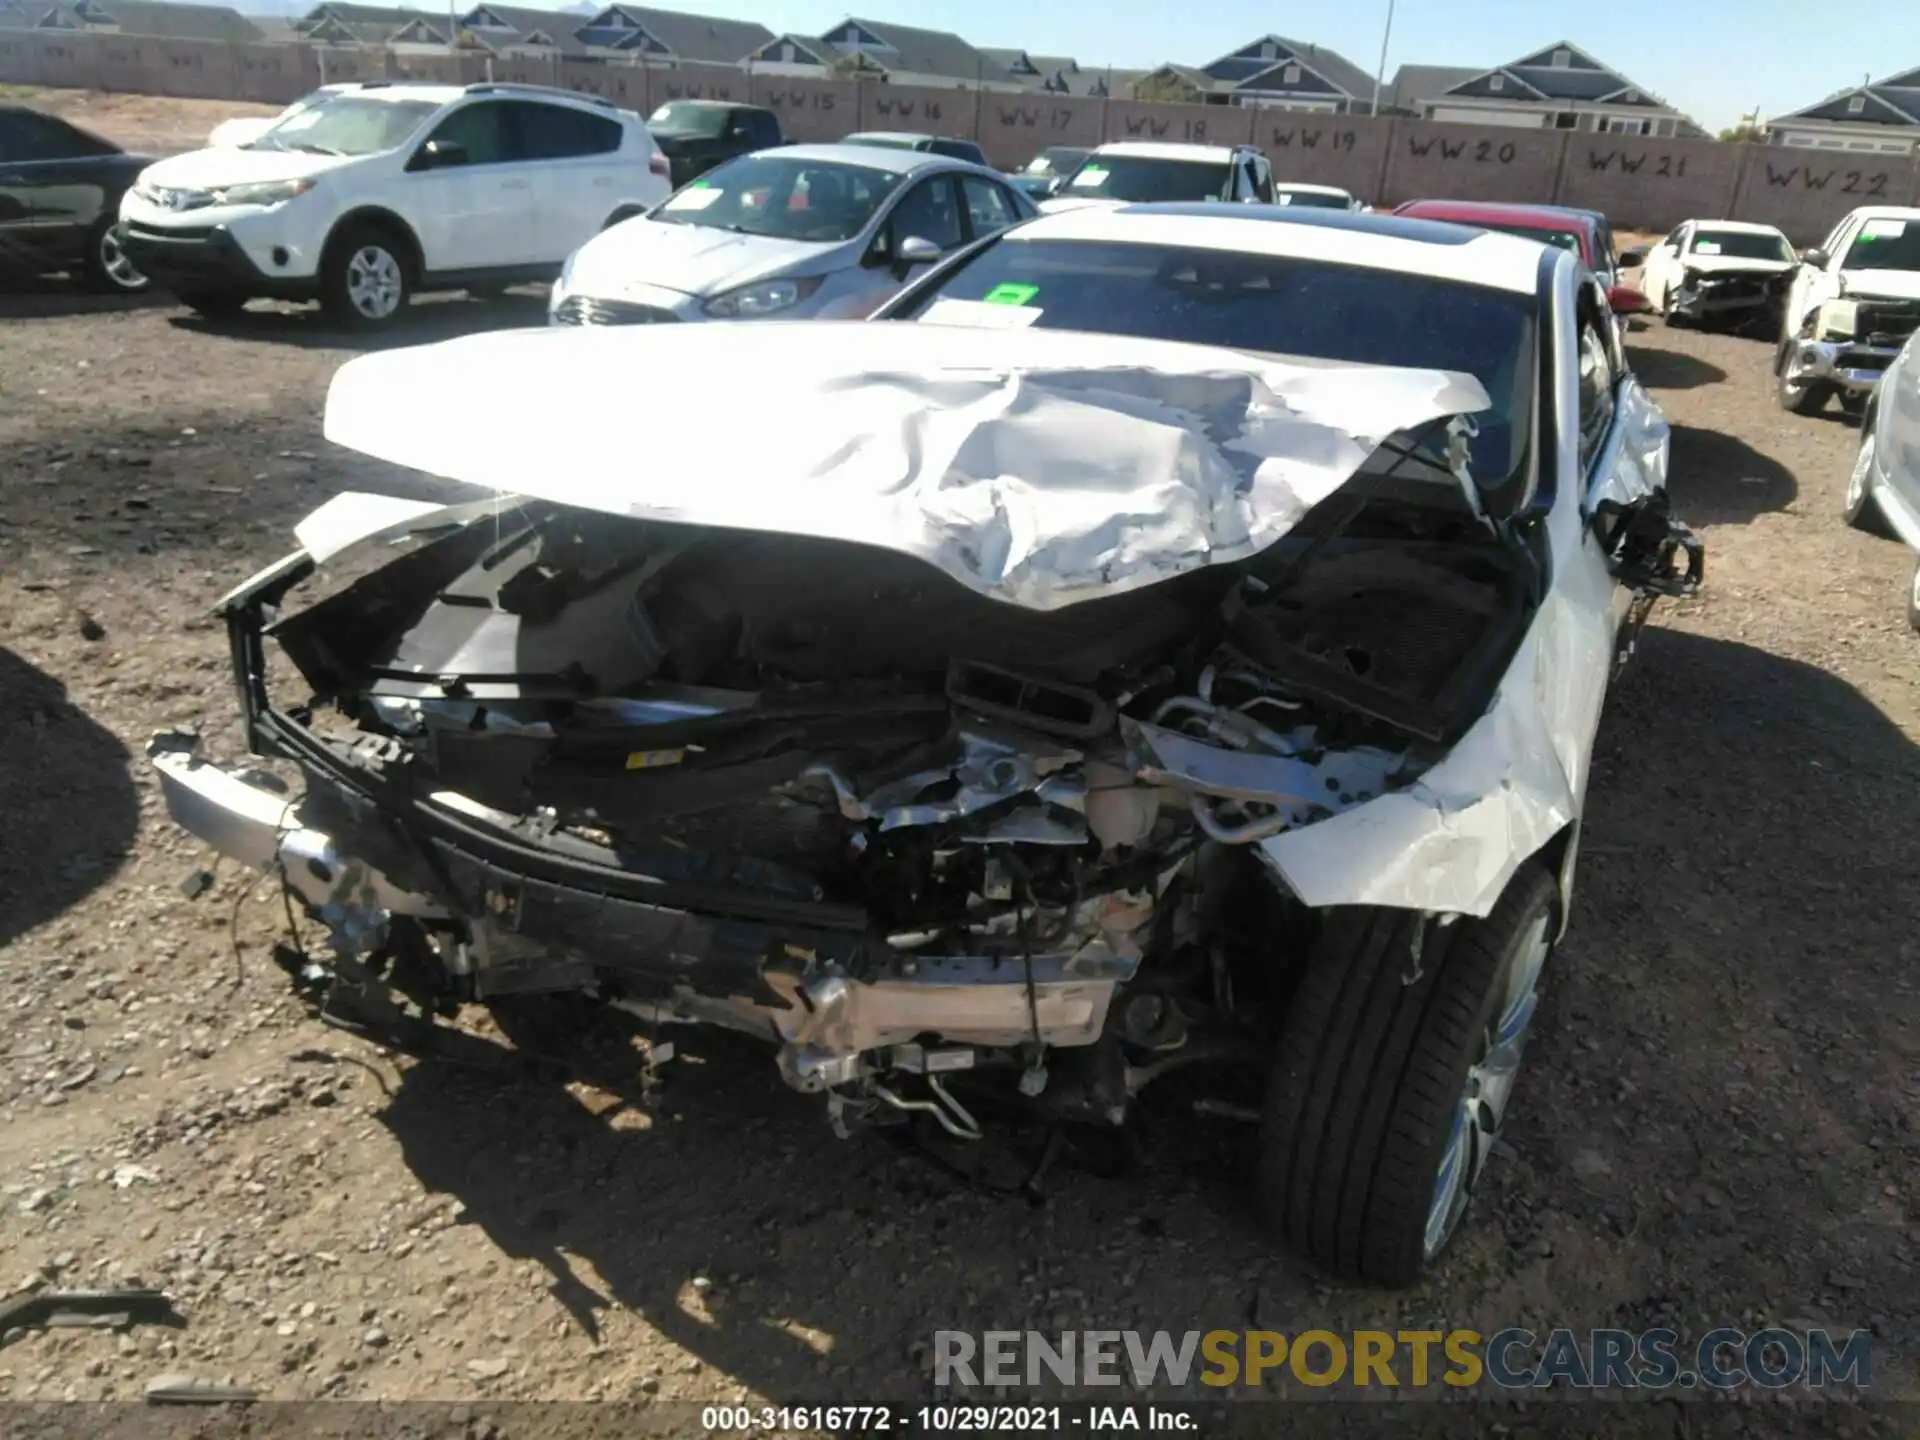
(348, 125)
(1273, 304)
(1885, 245)
(1056, 160)
(1315, 198)
(1143, 180)
(688, 118)
(790, 199)
(1568, 240)
(1741, 245)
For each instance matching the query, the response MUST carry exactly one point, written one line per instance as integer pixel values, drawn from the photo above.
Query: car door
(1663, 265)
(53, 184)
(1814, 285)
(573, 156)
(478, 212)
(990, 206)
(1623, 439)
(1262, 180)
(929, 209)
(1897, 428)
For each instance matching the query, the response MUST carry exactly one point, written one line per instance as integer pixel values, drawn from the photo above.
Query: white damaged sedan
(985, 708)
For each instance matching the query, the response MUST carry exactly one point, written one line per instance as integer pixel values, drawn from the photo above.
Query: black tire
(213, 304)
(106, 266)
(1913, 598)
(366, 276)
(1370, 1078)
(1858, 506)
(1801, 397)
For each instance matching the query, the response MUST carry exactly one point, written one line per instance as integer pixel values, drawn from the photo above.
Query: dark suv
(946, 145)
(696, 135)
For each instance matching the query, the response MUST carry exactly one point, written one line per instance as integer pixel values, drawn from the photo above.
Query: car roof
(1886, 212)
(1158, 150)
(709, 104)
(1376, 242)
(1736, 227)
(913, 135)
(397, 90)
(1470, 212)
(873, 157)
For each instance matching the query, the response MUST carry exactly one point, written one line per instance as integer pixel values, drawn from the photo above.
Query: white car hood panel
(217, 168)
(1037, 467)
(1881, 284)
(687, 259)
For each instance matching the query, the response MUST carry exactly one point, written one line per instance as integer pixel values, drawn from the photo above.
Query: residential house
(518, 32)
(1558, 88)
(1880, 117)
(899, 54)
(160, 19)
(1060, 74)
(634, 34)
(1414, 85)
(1272, 72)
(341, 24)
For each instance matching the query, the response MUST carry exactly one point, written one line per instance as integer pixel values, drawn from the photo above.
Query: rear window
(1141, 179)
(1273, 304)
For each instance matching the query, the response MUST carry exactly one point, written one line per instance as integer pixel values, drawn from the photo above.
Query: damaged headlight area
(824, 794)
(1734, 297)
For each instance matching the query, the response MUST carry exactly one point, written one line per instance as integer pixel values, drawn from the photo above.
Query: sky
(1715, 59)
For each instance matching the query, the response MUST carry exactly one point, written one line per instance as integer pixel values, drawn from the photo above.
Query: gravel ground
(1719, 1124)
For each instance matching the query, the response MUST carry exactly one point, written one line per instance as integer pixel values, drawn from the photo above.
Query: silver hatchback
(800, 232)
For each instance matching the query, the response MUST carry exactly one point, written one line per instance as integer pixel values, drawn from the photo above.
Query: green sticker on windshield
(1009, 294)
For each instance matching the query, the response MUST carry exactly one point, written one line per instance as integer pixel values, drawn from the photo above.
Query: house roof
(367, 24)
(1893, 102)
(521, 28)
(1237, 68)
(149, 17)
(922, 52)
(1583, 78)
(1412, 84)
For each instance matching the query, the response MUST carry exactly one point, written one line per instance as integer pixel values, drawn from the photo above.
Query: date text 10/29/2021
(947, 1419)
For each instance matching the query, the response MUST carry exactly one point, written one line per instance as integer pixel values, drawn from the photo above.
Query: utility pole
(1380, 75)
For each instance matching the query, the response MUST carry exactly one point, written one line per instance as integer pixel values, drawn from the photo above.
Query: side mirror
(1634, 257)
(1625, 300)
(439, 155)
(915, 250)
(1816, 257)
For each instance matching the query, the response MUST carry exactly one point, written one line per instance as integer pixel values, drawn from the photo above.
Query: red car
(1580, 231)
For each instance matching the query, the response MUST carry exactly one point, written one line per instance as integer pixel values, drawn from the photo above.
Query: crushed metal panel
(1038, 467)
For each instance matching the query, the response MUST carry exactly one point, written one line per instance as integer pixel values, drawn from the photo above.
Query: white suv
(383, 190)
(1132, 172)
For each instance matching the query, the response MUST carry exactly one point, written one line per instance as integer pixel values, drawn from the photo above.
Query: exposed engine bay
(824, 794)
(1744, 299)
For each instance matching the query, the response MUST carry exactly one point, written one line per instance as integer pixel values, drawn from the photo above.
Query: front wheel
(365, 282)
(107, 266)
(1396, 1063)
(1913, 598)
(1801, 397)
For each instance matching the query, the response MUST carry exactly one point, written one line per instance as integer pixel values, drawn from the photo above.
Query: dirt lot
(1719, 1125)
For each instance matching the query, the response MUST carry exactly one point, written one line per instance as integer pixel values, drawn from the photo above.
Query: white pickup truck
(1854, 301)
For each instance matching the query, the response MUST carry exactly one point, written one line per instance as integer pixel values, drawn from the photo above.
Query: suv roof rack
(515, 87)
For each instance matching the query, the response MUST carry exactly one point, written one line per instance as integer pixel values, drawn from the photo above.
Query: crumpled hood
(1881, 284)
(1719, 265)
(692, 259)
(1036, 467)
(216, 168)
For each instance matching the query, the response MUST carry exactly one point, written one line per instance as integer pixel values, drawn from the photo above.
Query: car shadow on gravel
(1672, 369)
(436, 318)
(1719, 479)
(1727, 1057)
(71, 811)
(31, 298)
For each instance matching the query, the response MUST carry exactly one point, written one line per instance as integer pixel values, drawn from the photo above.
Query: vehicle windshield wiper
(313, 149)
